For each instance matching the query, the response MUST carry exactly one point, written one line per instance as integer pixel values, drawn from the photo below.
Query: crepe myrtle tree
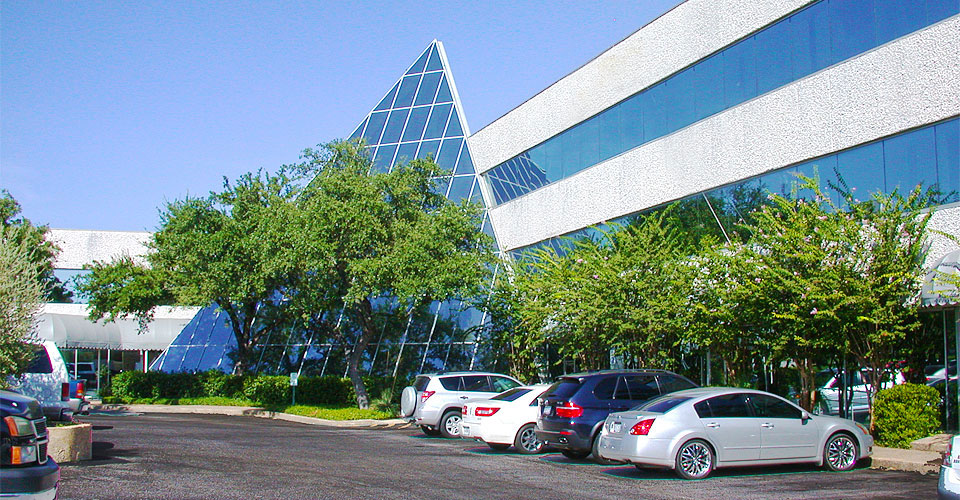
(21, 293)
(38, 249)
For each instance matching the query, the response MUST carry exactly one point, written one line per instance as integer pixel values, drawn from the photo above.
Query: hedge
(904, 413)
(262, 389)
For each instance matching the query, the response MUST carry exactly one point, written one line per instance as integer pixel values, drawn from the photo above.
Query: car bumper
(487, 432)
(640, 450)
(38, 482)
(564, 440)
(427, 416)
(948, 486)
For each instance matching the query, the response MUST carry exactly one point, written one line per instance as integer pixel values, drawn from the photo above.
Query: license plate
(547, 410)
(616, 427)
(465, 431)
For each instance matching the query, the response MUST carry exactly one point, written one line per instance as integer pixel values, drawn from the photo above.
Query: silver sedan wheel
(694, 460)
(527, 441)
(840, 453)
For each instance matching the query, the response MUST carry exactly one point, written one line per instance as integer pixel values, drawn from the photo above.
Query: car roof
(705, 392)
(447, 374)
(614, 372)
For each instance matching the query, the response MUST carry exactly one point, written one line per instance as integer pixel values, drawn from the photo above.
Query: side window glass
(669, 383)
(604, 389)
(642, 387)
(623, 390)
(501, 384)
(729, 406)
(771, 407)
(476, 383)
(40, 362)
(703, 409)
(450, 383)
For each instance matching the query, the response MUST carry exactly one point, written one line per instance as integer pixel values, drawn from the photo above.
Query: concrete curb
(924, 462)
(253, 411)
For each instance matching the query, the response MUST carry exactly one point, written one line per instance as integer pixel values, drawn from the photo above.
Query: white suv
(434, 401)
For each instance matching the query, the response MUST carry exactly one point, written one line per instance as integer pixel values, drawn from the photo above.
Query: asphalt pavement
(185, 456)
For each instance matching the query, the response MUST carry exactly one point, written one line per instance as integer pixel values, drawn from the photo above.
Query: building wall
(907, 83)
(79, 247)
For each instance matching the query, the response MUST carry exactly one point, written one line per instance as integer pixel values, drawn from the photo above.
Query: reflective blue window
(862, 169)
(407, 152)
(465, 165)
(438, 121)
(398, 118)
(444, 95)
(441, 184)
(418, 120)
(449, 152)
(387, 101)
(824, 33)
(356, 133)
(454, 129)
(434, 64)
(384, 159)
(428, 88)
(428, 149)
(421, 62)
(408, 88)
(910, 159)
(948, 159)
(460, 188)
(374, 128)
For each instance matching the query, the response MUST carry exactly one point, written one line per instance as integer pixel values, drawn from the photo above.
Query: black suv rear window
(511, 395)
(562, 389)
(40, 362)
(672, 383)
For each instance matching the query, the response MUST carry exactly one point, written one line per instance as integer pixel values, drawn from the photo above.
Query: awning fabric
(937, 290)
(68, 326)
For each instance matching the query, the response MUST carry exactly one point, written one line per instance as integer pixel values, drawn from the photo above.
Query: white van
(47, 380)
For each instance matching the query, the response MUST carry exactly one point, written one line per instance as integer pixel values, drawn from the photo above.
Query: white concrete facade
(79, 247)
(904, 84)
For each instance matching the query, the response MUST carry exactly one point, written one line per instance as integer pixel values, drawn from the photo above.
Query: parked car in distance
(948, 487)
(696, 431)
(83, 370)
(435, 401)
(25, 469)
(46, 379)
(937, 373)
(509, 418)
(573, 409)
(858, 387)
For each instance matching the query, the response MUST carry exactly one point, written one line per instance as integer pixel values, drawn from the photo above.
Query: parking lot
(207, 456)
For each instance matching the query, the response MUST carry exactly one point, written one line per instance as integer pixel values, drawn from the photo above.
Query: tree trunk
(367, 333)
(807, 389)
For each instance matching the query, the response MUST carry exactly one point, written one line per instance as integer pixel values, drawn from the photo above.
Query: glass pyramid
(419, 117)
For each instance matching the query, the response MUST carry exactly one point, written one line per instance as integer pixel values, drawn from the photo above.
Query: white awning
(939, 289)
(68, 326)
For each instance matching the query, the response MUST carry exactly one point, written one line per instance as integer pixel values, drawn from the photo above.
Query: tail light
(464, 410)
(946, 455)
(80, 390)
(65, 391)
(569, 410)
(485, 412)
(425, 395)
(641, 428)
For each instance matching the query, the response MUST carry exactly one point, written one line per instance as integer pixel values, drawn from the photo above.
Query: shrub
(267, 390)
(904, 413)
(328, 390)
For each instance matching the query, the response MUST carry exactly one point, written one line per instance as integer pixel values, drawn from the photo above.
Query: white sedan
(509, 418)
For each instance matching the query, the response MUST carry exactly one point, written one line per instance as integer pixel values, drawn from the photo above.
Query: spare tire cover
(408, 401)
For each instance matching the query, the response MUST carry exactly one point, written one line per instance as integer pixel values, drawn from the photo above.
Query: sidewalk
(926, 461)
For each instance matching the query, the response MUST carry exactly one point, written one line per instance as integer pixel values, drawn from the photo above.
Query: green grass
(327, 412)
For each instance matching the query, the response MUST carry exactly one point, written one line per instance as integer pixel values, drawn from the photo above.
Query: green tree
(20, 295)
(40, 251)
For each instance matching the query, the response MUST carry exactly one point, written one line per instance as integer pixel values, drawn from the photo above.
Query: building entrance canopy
(68, 326)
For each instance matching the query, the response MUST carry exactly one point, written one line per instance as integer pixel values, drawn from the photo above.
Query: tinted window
(671, 383)
(511, 395)
(40, 362)
(726, 406)
(623, 391)
(476, 383)
(451, 383)
(662, 405)
(642, 387)
(771, 407)
(606, 387)
(501, 384)
(563, 389)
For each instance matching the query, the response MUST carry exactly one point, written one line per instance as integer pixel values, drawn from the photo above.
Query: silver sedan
(697, 430)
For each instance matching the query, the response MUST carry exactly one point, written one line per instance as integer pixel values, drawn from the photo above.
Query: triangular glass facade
(419, 117)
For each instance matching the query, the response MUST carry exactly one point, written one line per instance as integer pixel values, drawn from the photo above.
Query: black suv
(25, 469)
(573, 409)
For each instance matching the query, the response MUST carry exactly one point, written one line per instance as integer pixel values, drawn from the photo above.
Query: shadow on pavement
(631, 472)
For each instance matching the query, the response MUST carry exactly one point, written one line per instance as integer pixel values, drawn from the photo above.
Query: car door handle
(713, 425)
(766, 425)
(464, 397)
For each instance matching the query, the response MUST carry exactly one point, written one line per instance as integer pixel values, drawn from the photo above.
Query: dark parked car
(573, 409)
(25, 469)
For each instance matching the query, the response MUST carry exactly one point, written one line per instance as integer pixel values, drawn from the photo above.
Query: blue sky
(110, 109)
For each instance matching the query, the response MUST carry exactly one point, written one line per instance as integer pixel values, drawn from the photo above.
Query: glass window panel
(941, 9)
(862, 169)
(434, 63)
(356, 133)
(387, 101)
(438, 121)
(173, 360)
(910, 159)
(507, 174)
(421, 62)
(454, 129)
(609, 135)
(384, 159)
(680, 94)
(852, 27)
(408, 88)
(708, 86)
(810, 29)
(428, 88)
(428, 149)
(783, 182)
(212, 357)
(440, 185)
(418, 120)
(449, 152)
(948, 159)
(374, 128)
(498, 193)
(444, 95)
(465, 165)
(896, 18)
(654, 123)
(394, 126)
(407, 152)
(631, 123)
(775, 67)
(739, 72)
(191, 360)
(460, 188)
